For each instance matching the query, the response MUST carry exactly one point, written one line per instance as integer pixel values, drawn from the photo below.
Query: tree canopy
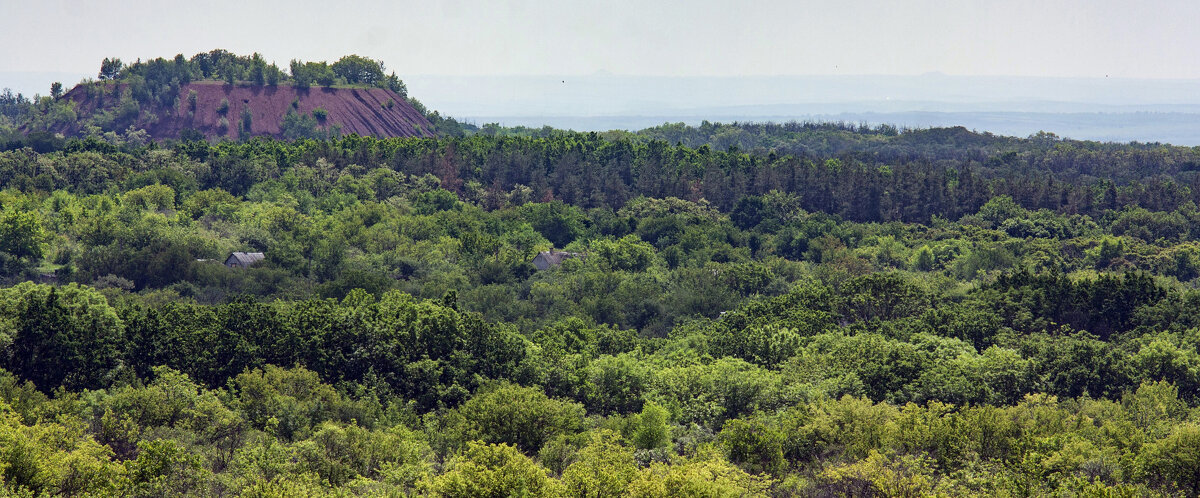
(756, 310)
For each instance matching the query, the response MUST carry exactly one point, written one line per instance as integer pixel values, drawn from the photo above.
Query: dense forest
(812, 309)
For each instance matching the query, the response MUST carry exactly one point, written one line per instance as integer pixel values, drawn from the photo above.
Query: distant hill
(216, 109)
(217, 95)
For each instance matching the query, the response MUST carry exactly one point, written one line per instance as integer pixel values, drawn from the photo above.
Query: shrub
(494, 470)
(295, 126)
(244, 128)
(521, 416)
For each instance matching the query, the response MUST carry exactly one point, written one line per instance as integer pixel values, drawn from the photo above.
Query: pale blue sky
(1076, 38)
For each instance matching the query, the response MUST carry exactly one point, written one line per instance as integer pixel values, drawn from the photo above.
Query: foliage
(22, 234)
(493, 470)
(791, 309)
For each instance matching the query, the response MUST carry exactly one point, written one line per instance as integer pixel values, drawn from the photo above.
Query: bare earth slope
(364, 111)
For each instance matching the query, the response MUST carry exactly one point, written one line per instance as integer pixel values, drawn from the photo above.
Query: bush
(245, 127)
(652, 430)
(494, 470)
(603, 468)
(521, 416)
(296, 126)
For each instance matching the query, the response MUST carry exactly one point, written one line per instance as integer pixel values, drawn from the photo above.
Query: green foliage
(435, 201)
(110, 68)
(628, 253)
(340, 454)
(652, 430)
(22, 234)
(987, 320)
(245, 125)
(45, 329)
(603, 468)
(493, 470)
(1172, 461)
(520, 416)
(557, 222)
(923, 259)
(163, 467)
(53, 458)
(357, 69)
(289, 403)
(708, 475)
(296, 126)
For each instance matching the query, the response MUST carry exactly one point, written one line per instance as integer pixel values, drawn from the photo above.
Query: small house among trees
(243, 259)
(546, 259)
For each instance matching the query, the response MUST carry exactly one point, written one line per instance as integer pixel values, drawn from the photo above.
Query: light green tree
(653, 430)
(22, 235)
(484, 470)
(603, 468)
(629, 253)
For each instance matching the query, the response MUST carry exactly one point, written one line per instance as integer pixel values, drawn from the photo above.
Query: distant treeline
(878, 176)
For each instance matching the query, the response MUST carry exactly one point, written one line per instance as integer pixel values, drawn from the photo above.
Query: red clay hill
(372, 111)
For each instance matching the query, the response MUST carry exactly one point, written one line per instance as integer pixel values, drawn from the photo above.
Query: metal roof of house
(546, 259)
(245, 258)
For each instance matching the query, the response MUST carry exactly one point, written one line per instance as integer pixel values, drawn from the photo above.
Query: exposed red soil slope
(354, 110)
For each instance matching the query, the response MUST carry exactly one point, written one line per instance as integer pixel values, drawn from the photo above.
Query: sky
(1043, 38)
(1042, 64)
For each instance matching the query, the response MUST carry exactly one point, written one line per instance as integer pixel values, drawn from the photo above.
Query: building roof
(245, 258)
(556, 257)
(552, 258)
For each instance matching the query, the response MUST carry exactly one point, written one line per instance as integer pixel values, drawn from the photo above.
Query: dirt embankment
(365, 111)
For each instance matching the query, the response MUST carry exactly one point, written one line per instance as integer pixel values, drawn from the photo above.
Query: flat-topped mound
(217, 109)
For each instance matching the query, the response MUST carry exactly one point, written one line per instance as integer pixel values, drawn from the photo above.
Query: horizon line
(607, 73)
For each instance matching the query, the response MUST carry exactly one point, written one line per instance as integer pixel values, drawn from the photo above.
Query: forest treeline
(159, 80)
(910, 177)
(801, 309)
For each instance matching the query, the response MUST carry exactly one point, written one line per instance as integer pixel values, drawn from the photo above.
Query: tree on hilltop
(258, 69)
(300, 78)
(356, 69)
(109, 68)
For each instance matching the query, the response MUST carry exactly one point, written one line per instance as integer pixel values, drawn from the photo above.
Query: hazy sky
(1078, 38)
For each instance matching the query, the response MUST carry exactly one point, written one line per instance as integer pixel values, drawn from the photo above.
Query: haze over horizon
(1069, 38)
(516, 61)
